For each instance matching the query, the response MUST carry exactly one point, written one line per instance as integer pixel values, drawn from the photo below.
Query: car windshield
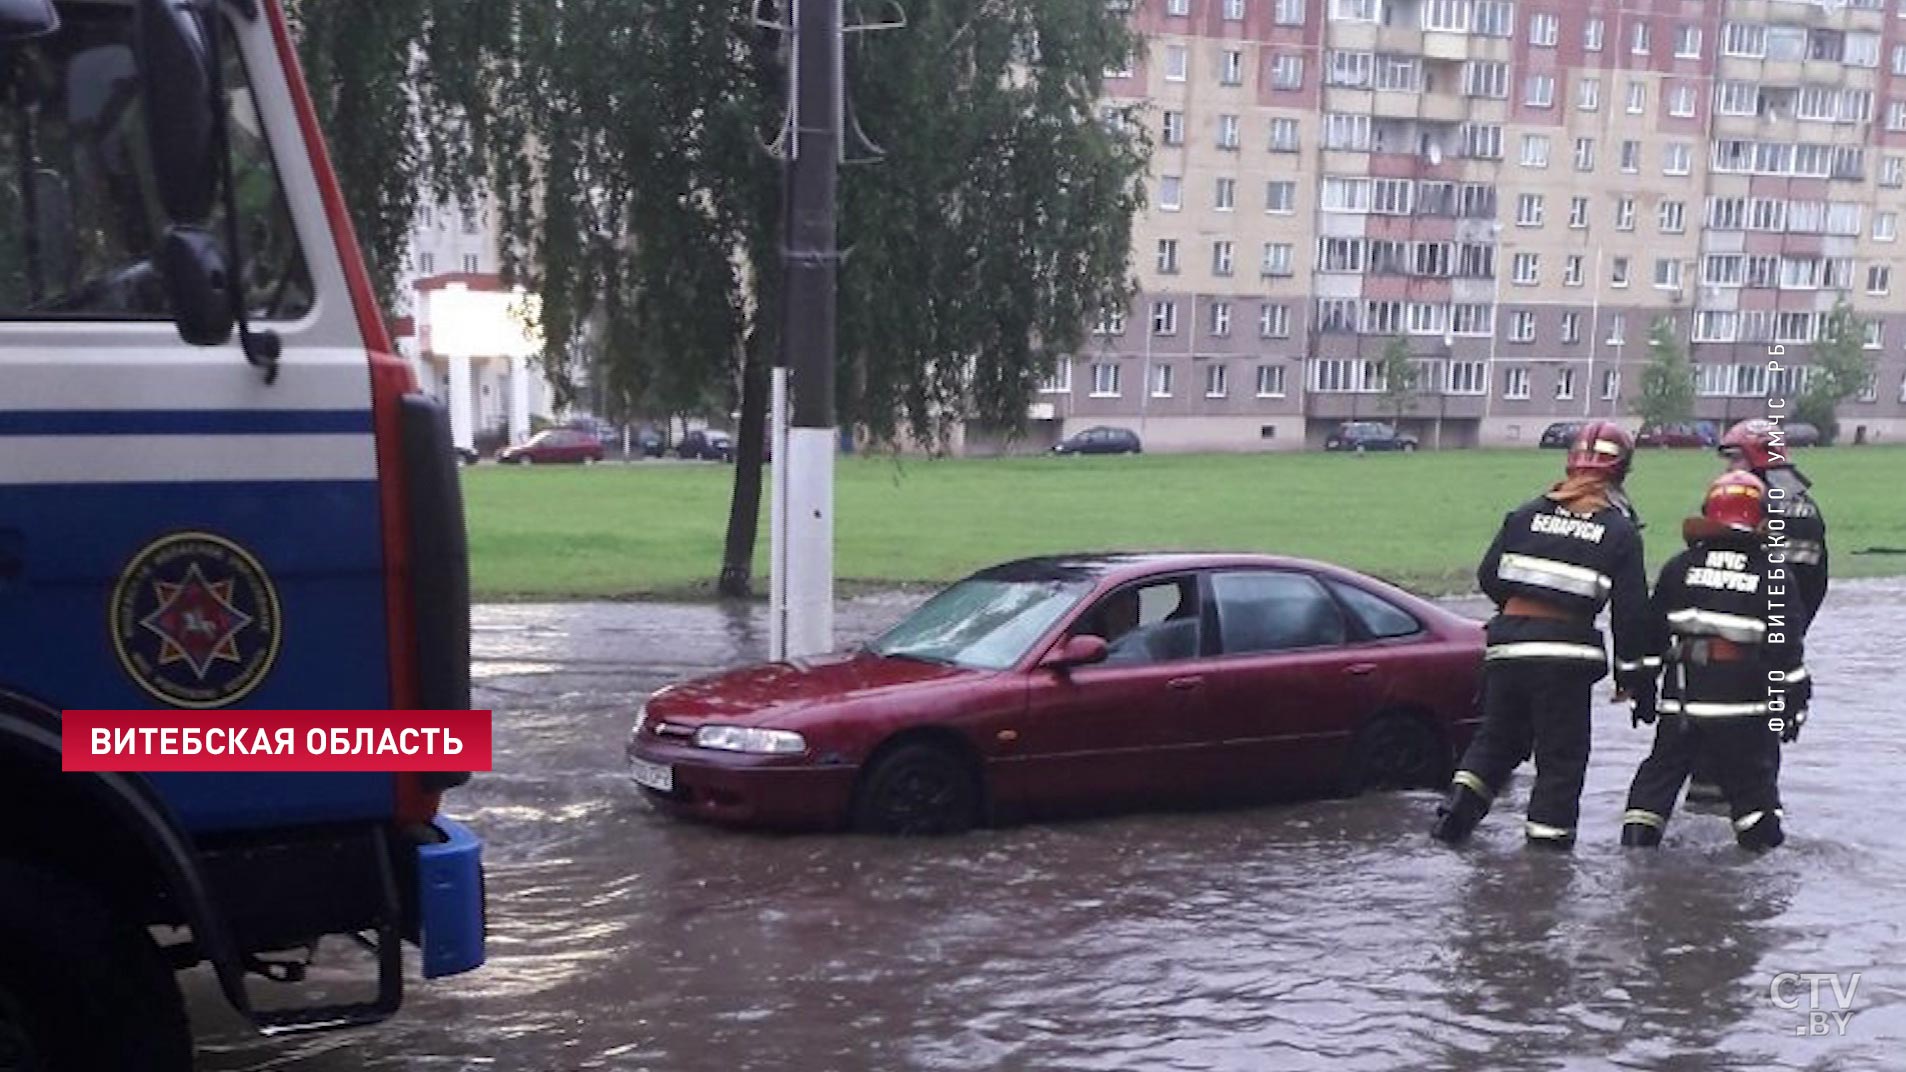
(981, 624)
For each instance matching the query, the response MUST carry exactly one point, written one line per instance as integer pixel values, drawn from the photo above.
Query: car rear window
(1380, 617)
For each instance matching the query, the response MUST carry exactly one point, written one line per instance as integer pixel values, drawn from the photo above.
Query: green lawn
(617, 531)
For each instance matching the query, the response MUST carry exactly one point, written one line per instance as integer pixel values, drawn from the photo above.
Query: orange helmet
(1601, 447)
(1734, 500)
(1753, 440)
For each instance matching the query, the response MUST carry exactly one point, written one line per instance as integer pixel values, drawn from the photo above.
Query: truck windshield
(79, 219)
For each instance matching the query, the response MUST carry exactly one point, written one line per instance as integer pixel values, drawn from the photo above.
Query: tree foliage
(1840, 368)
(1667, 381)
(1400, 374)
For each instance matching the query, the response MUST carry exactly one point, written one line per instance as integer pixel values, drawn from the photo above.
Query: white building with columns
(463, 329)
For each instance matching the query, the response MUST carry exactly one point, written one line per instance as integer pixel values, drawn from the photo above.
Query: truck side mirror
(176, 78)
(21, 19)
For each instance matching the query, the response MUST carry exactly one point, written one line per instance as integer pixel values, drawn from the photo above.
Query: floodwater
(1331, 935)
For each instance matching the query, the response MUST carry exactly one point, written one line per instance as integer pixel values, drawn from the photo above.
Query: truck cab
(219, 490)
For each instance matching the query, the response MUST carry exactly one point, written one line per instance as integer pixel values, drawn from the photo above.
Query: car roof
(1117, 566)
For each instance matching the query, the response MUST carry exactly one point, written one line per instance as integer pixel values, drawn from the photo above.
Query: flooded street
(1330, 935)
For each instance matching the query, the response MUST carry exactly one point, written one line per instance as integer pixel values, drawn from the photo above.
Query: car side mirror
(1083, 650)
(23, 19)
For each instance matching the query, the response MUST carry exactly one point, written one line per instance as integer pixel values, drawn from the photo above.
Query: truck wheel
(80, 988)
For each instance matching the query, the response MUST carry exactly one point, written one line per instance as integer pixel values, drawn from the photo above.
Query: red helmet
(1753, 440)
(1734, 500)
(1601, 447)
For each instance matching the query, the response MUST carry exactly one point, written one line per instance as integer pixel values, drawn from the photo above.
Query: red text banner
(276, 741)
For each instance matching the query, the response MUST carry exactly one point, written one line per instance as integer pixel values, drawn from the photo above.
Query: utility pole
(811, 260)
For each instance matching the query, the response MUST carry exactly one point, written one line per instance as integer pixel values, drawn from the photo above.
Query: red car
(1698, 435)
(1080, 683)
(553, 445)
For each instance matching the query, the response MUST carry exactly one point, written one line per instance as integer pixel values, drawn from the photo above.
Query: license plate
(657, 776)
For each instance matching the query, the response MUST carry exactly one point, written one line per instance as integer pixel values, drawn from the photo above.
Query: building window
(1588, 94)
(1482, 78)
(1270, 381)
(1687, 42)
(1179, 8)
(1879, 279)
(1584, 154)
(1672, 217)
(1515, 382)
(1667, 273)
(1177, 62)
(1228, 132)
(1468, 377)
(1164, 318)
(1592, 35)
(1885, 226)
(1526, 269)
(1111, 322)
(1221, 319)
(1288, 13)
(1893, 172)
(1571, 327)
(1225, 198)
(1104, 380)
(1277, 258)
(469, 263)
(1896, 115)
(1542, 29)
(1631, 156)
(1234, 10)
(1161, 381)
(1287, 71)
(1482, 141)
(1572, 270)
(1637, 96)
(1233, 68)
(1535, 150)
(1875, 336)
(1638, 39)
(427, 263)
(1617, 328)
(1283, 135)
(1168, 256)
(1391, 197)
(1611, 384)
(1216, 381)
(1403, 73)
(1346, 68)
(1494, 18)
(1539, 91)
(1565, 383)
(1060, 382)
(1529, 210)
(1173, 124)
(1273, 321)
(1625, 214)
(1221, 257)
(1578, 213)
(1715, 325)
(1618, 271)
(1280, 196)
(1522, 326)
(1354, 10)
(1677, 158)
(1681, 100)
(1472, 319)
(1171, 193)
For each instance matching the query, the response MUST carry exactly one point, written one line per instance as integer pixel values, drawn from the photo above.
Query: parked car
(1561, 434)
(1068, 684)
(1684, 435)
(466, 455)
(1101, 440)
(706, 445)
(648, 443)
(1802, 434)
(1368, 435)
(552, 446)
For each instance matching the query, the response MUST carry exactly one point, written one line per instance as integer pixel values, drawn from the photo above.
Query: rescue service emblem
(195, 621)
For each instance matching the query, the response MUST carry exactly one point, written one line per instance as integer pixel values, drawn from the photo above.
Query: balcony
(1445, 45)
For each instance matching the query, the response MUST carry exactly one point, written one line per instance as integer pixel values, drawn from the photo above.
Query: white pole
(519, 397)
(778, 518)
(460, 417)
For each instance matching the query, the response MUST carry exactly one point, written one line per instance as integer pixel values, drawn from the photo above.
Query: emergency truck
(218, 490)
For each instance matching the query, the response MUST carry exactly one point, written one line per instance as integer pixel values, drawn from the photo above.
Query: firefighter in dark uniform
(1757, 446)
(1734, 667)
(1556, 561)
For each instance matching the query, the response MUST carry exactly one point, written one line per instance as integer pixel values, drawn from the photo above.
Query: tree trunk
(744, 509)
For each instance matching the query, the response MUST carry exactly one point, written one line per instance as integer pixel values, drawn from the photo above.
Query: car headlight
(641, 716)
(750, 739)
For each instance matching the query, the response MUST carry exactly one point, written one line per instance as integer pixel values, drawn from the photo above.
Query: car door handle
(1184, 684)
(1359, 669)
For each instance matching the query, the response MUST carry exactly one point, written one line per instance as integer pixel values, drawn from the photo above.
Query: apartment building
(1519, 189)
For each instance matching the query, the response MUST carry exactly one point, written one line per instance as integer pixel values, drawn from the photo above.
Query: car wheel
(1395, 751)
(917, 789)
(1409, 448)
(80, 987)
